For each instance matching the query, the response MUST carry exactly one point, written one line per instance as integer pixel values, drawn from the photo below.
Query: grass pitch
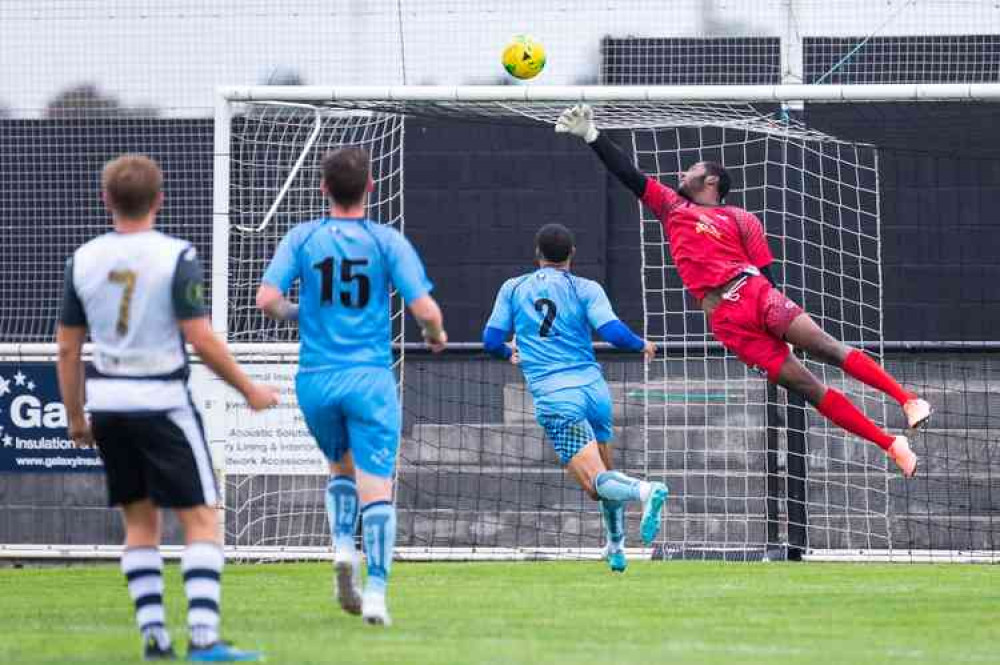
(569, 612)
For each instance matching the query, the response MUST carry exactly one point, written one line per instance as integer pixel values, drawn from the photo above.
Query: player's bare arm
(69, 368)
(515, 355)
(275, 305)
(214, 353)
(428, 314)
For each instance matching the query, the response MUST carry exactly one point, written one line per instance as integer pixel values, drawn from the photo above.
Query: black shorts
(160, 456)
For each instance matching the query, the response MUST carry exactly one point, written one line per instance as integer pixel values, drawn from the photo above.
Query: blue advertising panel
(33, 423)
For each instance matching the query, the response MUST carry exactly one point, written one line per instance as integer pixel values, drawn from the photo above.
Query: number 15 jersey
(553, 314)
(346, 269)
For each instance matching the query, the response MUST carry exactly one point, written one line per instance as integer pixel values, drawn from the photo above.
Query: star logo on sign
(31, 386)
(8, 441)
(4, 386)
(19, 378)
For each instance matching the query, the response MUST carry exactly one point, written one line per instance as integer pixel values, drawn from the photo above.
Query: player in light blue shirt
(553, 314)
(346, 267)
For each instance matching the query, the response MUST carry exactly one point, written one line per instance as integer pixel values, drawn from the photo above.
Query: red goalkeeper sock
(859, 365)
(839, 409)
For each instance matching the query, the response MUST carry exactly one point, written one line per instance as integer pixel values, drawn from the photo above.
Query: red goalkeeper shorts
(751, 321)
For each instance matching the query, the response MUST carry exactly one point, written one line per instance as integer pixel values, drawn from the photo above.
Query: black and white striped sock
(201, 564)
(143, 568)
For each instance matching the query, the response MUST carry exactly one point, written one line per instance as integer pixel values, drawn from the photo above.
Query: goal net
(273, 475)
(752, 472)
(475, 474)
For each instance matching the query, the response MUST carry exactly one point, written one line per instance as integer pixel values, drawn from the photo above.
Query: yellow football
(524, 57)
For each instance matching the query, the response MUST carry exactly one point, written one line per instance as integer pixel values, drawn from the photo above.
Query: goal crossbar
(529, 93)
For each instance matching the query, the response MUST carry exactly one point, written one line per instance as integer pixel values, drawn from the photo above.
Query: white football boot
(373, 609)
(905, 458)
(918, 412)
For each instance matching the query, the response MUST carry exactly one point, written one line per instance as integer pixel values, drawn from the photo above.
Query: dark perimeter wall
(939, 169)
(476, 193)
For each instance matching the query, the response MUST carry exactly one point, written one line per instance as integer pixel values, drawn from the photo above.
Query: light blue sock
(616, 486)
(342, 509)
(378, 523)
(613, 513)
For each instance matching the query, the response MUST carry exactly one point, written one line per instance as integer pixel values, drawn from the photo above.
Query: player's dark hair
(131, 184)
(554, 242)
(720, 172)
(345, 174)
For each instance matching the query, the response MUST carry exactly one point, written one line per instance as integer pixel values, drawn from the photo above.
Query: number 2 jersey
(130, 290)
(710, 245)
(553, 314)
(346, 269)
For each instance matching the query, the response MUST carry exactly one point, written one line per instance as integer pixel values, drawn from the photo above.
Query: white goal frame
(900, 92)
(789, 96)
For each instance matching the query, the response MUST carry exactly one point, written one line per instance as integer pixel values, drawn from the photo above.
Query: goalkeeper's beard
(689, 192)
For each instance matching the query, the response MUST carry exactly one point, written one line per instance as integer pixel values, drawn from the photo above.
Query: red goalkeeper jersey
(710, 245)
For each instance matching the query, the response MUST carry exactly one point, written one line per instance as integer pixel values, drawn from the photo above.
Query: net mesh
(475, 470)
(817, 199)
(76, 93)
(968, 58)
(268, 140)
(275, 476)
(477, 477)
(693, 61)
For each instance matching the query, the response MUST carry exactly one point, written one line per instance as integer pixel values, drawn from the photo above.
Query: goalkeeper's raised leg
(724, 261)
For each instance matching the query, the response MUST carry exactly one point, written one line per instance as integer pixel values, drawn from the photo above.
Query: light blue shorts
(354, 409)
(573, 417)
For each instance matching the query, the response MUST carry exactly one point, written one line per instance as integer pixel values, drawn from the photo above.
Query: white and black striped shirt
(131, 290)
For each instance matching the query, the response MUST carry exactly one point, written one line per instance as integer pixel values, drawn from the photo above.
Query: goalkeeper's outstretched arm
(579, 121)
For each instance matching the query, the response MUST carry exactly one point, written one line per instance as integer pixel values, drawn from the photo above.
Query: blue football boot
(616, 559)
(652, 509)
(222, 652)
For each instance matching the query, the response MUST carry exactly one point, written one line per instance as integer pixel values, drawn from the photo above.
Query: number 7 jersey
(131, 290)
(553, 314)
(346, 269)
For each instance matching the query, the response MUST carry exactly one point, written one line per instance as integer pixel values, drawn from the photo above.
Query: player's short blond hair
(131, 185)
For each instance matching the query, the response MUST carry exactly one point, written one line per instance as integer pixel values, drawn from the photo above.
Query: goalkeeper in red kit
(722, 257)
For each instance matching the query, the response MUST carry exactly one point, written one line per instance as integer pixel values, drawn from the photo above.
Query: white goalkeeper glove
(579, 121)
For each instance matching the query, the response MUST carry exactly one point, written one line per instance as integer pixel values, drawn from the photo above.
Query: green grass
(573, 612)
